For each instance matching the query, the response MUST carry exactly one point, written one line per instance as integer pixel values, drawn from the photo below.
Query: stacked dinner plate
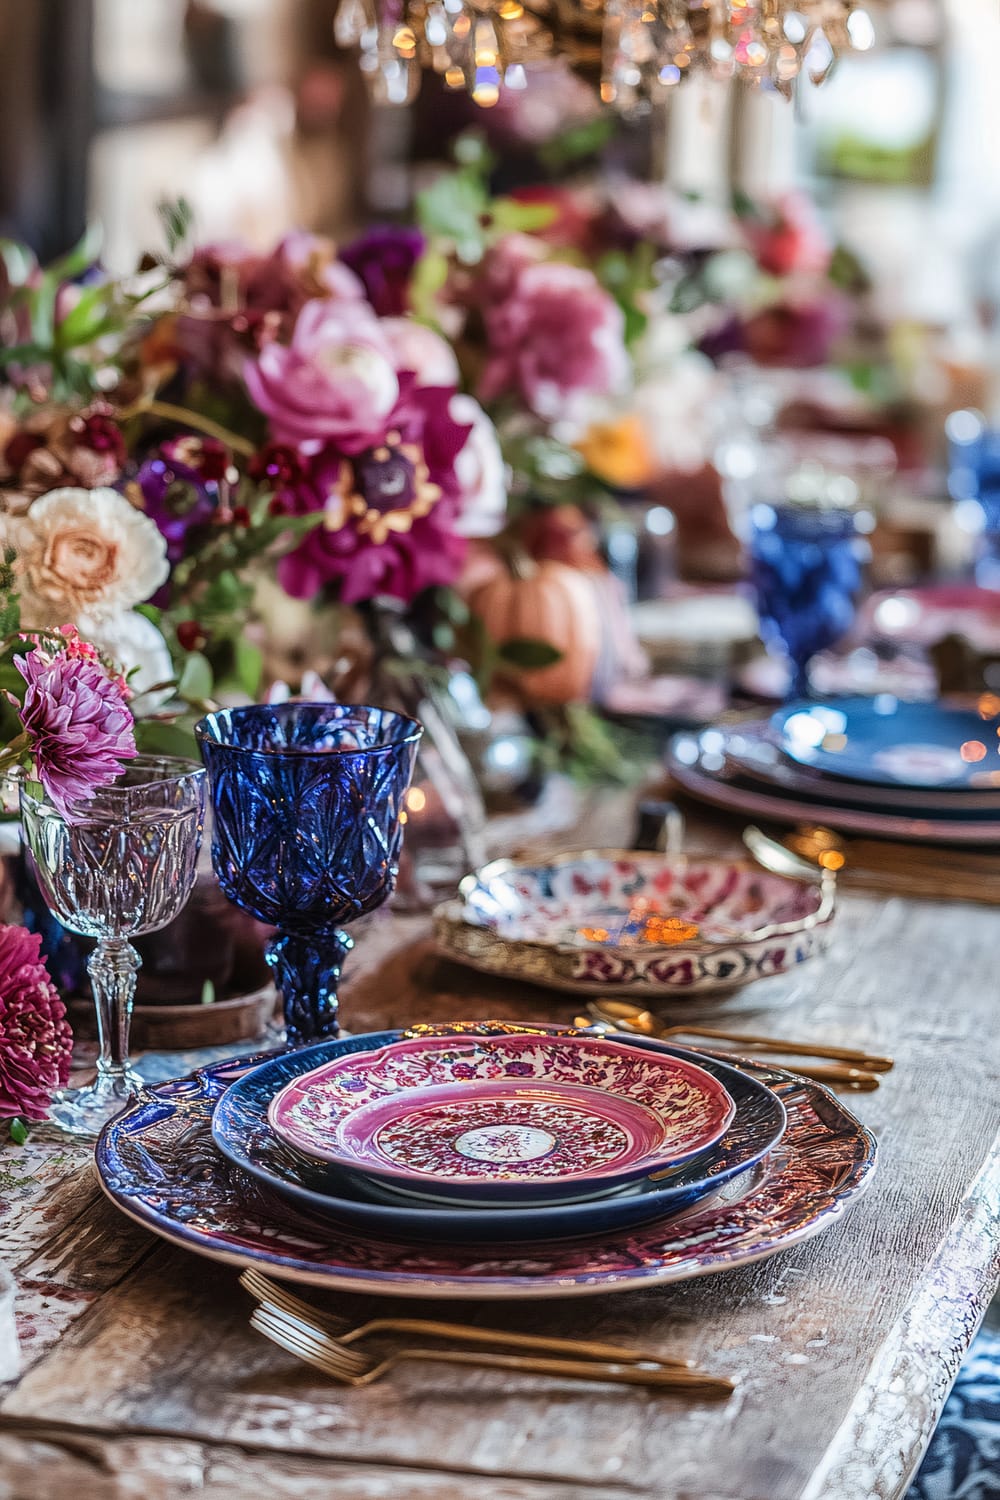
(926, 772)
(486, 1159)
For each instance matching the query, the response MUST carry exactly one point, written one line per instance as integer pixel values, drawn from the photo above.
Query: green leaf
(176, 218)
(18, 261)
(23, 354)
(89, 319)
(208, 993)
(82, 256)
(579, 141)
(18, 1131)
(528, 654)
(527, 218)
(157, 737)
(453, 208)
(196, 680)
(152, 612)
(249, 664)
(429, 277)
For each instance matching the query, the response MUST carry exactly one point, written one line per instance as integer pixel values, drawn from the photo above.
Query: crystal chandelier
(635, 49)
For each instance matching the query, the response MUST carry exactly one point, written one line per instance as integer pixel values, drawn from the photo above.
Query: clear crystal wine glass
(124, 866)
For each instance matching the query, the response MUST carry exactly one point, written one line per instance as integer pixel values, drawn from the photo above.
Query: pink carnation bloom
(79, 726)
(336, 380)
(35, 1039)
(558, 336)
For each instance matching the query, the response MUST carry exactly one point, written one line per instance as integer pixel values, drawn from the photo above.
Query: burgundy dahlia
(35, 1039)
(78, 723)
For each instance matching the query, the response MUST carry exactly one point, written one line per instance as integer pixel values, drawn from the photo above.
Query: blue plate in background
(883, 742)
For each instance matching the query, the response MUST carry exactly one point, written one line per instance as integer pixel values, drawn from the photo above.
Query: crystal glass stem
(113, 967)
(307, 971)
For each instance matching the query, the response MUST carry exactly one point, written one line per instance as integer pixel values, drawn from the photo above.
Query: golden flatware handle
(492, 1337)
(871, 1061)
(855, 1079)
(708, 1386)
(270, 1295)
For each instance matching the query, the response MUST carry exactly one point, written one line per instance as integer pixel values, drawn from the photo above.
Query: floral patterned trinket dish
(498, 1120)
(619, 922)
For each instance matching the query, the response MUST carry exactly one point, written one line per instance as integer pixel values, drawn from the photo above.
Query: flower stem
(172, 413)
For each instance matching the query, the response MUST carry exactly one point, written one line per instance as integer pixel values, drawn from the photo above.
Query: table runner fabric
(963, 1459)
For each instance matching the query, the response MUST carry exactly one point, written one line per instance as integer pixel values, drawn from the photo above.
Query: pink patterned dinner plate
(503, 1120)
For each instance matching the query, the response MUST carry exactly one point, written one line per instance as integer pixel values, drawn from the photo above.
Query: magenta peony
(78, 725)
(335, 381)
(559, 336)
(391, 510)
(35, 1039)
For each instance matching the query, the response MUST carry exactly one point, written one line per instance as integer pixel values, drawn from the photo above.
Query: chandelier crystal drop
(636, 49)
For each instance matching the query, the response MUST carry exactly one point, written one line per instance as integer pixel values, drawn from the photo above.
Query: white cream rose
(85, 553)
(133, 642)
(480, 471)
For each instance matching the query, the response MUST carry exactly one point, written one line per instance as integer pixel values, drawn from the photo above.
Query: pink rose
(336, 380)
(417, 348)
(503, 264)
(558, 336)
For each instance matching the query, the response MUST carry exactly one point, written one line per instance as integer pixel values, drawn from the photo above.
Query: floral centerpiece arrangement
(176, 445)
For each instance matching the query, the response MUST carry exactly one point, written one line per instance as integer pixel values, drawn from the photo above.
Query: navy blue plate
(241, 1132)
(883, 742)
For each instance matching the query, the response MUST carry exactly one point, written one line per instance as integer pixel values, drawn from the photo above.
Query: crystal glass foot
(125, 865)
(806, 565)
(308, 817)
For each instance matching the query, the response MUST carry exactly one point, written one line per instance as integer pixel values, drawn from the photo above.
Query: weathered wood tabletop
(142, 1379)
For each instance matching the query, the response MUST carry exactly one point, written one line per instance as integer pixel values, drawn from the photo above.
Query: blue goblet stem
(307, 972)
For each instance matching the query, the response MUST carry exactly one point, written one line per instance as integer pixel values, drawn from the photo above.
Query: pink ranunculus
(79, 725)
(559, 336)
(417, 348)
(336, 380)
(35, 1039)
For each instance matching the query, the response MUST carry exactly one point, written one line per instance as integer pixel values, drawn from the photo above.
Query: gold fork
(349, 1367)
(645, 1021)
(277, 1299)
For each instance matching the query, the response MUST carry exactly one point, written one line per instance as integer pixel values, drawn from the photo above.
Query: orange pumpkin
(545, 601)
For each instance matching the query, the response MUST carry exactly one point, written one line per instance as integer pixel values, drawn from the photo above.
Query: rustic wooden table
(142, 1379)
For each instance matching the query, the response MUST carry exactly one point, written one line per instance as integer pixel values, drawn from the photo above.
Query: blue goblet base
(307, 971)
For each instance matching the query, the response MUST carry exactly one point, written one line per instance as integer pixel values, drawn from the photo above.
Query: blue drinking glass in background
(308, 803)
(806, 564)
(974, 485)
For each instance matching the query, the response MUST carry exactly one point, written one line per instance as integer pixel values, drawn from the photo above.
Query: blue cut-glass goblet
(806, 567)
(308, 814)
